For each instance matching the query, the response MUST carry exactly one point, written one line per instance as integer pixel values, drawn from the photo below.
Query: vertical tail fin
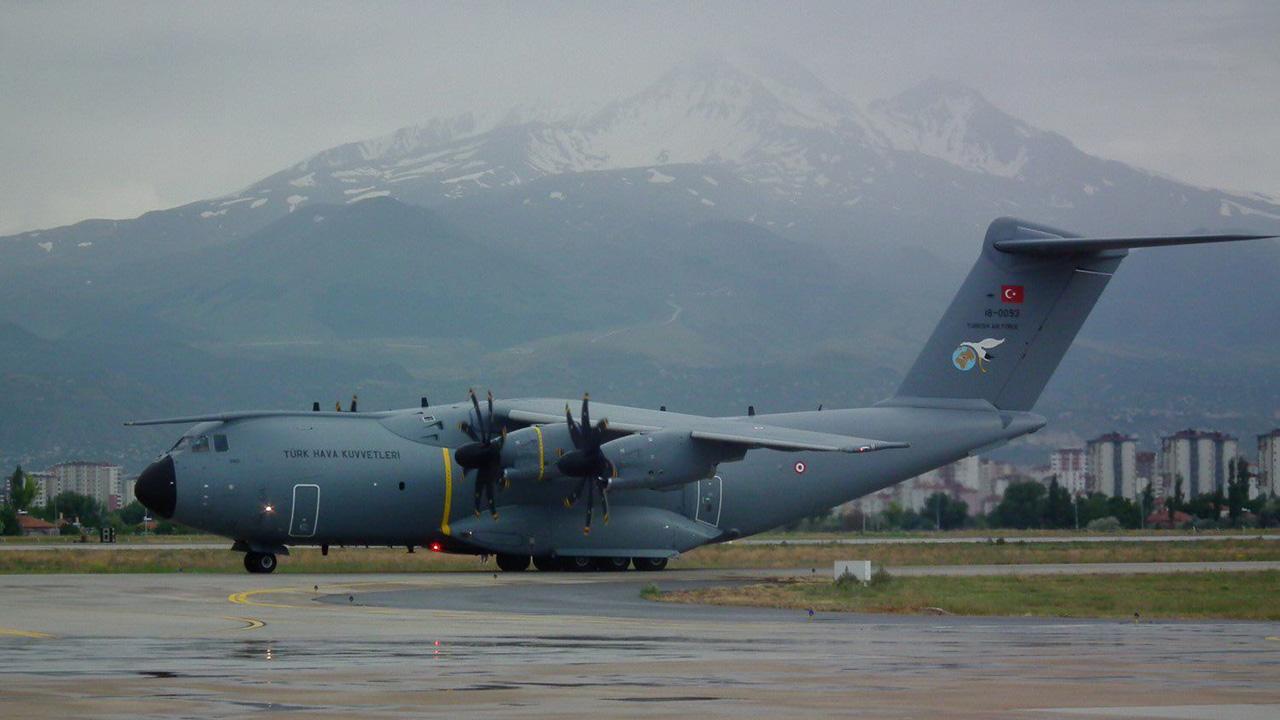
(1018, 312)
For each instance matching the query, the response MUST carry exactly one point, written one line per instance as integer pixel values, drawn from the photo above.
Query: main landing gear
(513, 563)
(519, 563)
(259, 562)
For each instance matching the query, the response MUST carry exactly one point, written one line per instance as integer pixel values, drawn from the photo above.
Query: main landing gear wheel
(513, 563)
(259, 562)
(577, 564)
(650, 564)
(546, 563)
(611, 564)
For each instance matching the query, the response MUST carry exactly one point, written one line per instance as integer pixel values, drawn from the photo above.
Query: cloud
(197, 100)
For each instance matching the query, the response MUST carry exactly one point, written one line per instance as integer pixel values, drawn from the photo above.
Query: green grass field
(1234, 595)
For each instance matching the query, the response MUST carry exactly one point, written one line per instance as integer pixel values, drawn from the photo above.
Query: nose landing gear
(259, 562)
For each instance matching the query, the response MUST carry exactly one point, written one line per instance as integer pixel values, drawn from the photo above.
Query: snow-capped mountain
(764, 121)
(785, 130)
(957, 125)
(768, 122)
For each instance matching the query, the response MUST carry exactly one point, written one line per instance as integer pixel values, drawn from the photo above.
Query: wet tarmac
(583, 645)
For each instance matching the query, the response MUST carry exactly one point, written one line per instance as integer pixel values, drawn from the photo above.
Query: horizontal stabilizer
(1050, 245)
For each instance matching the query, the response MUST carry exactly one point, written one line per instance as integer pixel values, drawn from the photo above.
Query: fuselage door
(710, 491)
(306, 509)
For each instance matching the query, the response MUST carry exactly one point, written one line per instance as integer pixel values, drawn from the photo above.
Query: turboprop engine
(531, 454)
(663, 459)
(651, 460)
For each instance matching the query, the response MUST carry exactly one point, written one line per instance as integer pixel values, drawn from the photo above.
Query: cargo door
(710, 491)
(306, 509)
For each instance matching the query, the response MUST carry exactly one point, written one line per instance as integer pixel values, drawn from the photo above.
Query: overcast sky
(113, 109)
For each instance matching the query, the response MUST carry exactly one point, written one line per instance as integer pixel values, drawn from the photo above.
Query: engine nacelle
(660, 459)
(530, 454)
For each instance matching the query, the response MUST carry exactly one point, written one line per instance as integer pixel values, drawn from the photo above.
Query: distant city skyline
(112, 114)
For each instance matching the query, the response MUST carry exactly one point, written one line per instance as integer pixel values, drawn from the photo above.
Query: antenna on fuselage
(751, 411)
(353, 403)
(424, 402)
(315, 406)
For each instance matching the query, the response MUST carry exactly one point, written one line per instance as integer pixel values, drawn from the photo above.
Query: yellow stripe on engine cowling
(542, 460)
(448, 490)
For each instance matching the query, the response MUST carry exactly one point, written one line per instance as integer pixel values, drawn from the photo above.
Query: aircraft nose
(157, 487)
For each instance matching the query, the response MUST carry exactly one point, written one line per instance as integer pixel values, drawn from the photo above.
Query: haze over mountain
(734, 233)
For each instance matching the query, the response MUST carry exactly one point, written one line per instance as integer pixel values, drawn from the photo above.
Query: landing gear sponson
(519, 563)
(265, 562)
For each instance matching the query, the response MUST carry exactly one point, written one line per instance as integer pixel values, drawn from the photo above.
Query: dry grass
(301, 560)
(1242, 595)
(1008, 553)
(384, 560)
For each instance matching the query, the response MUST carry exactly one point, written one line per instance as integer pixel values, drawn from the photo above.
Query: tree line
(81, 512)
(1032, 504)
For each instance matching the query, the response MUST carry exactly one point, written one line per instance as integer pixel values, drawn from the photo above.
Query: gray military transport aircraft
(665, 482)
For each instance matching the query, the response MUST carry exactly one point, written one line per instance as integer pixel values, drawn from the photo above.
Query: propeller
(483, 454)
(587, 462)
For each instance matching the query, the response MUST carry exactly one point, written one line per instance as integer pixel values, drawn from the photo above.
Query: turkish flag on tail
(1011, 294)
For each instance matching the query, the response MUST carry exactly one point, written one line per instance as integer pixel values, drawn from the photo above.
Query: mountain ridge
(726, 235)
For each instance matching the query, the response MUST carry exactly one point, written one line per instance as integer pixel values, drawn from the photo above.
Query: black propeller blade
(587, 462)
(484, 454)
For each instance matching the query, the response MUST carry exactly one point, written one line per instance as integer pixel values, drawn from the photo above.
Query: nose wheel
(259, 562)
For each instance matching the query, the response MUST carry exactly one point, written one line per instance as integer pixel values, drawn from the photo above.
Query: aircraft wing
(744, 433)
(229, 416)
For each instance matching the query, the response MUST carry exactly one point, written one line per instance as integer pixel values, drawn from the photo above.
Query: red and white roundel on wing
(800, 468)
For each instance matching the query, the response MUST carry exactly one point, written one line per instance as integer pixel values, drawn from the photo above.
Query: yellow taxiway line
(250, 623)
(13, 632)
(246, 598)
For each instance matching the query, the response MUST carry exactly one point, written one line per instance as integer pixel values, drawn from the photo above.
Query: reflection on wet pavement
(577, 647)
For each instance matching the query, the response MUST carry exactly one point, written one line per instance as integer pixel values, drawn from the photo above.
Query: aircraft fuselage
(391, 480)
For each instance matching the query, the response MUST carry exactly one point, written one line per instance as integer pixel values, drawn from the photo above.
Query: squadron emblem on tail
(977, 353)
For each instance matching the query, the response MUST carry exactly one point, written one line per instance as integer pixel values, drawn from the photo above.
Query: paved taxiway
(534, 644)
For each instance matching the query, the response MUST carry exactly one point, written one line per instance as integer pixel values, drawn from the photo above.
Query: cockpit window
(219, 443)
(200, 443)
